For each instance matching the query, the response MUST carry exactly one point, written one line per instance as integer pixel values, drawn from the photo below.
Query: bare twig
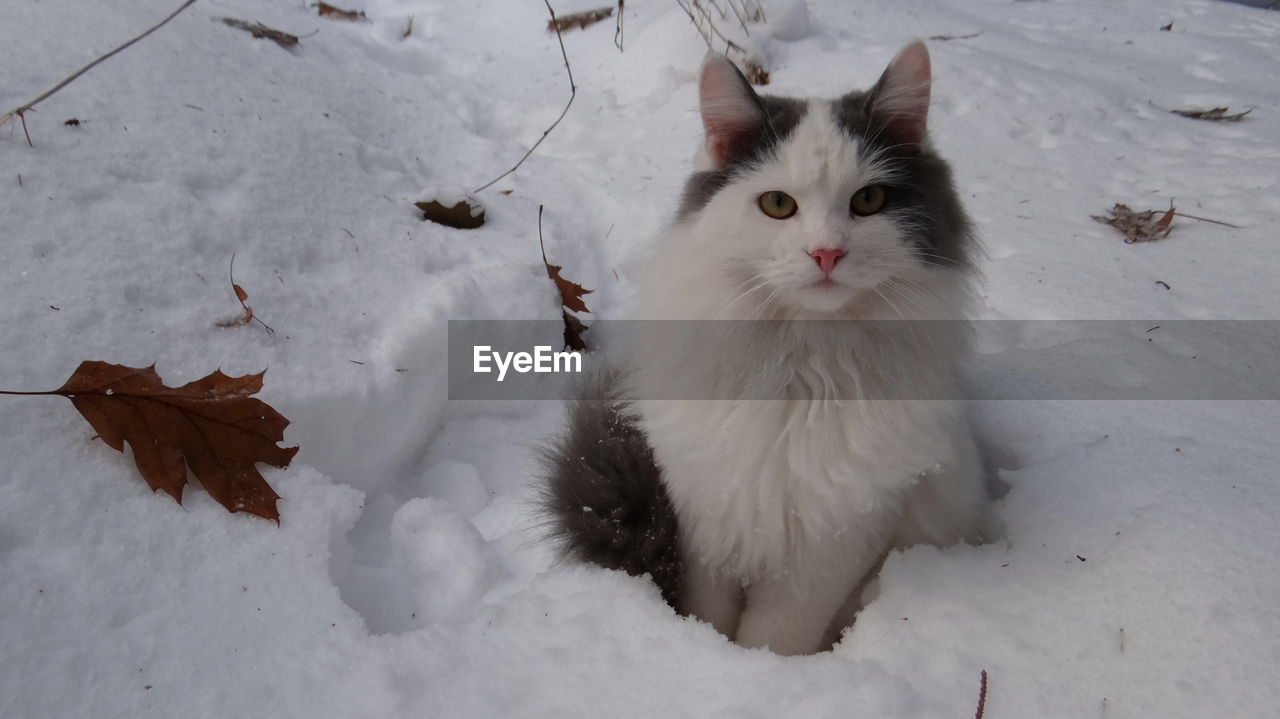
(21, 110)
(710, 32)
(982, 696)
(1206, 219)
(258, 30)
(573, 92)
(944, 38)
(617, 34)
(408, 29)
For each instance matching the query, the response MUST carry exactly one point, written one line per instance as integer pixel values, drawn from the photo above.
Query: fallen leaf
(580, 20)
(1217, 113)
(571, 294)
(573, 329)
(240, 293)
(1142, 226)
(338, 13)
(464, 215)
(756, 74)
(258, 30)
(211, 425)
(1166, 28)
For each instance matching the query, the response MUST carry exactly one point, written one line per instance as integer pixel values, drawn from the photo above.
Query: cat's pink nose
(826, 259)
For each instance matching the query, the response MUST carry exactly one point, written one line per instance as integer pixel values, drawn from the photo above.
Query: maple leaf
(211, 425)
(1145, 226)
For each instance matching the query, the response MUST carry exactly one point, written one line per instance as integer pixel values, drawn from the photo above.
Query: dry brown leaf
(571, 294)
(573, 329)
(211, 425)
(1217, 113)
(756, 74)
(337, 13)
(1145, 226)
(240, 293)
(257, 29)
(464, 215)
(580, 20)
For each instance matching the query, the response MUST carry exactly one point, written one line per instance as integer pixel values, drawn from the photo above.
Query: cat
(760, 464)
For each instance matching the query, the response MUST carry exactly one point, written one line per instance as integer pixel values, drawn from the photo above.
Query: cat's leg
(711, 596)
(790, 613)
(948, 505)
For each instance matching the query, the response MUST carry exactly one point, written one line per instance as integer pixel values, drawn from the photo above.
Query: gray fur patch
(781, 114)
(603, 496)
(923, 199)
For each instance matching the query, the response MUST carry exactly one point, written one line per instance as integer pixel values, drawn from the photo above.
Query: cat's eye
(867, 201)
(778, 205)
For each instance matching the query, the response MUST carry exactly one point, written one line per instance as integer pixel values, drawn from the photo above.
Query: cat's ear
(731, 111)
(901, 98)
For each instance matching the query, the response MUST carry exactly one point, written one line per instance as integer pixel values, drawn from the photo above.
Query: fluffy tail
(604, 495)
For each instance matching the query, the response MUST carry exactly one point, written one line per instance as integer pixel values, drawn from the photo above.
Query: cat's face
(825, 205)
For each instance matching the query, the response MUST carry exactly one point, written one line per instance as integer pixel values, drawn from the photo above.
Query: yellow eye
(867, 201)
(778, 205)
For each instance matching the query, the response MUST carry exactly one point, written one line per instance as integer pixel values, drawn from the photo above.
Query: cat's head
(825, 206)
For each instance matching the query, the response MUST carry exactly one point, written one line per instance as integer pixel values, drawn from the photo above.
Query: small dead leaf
(240, 293)
(571, 294)
(756, 74)
(240, 321)
(1145, 226)
(337, 13)
(1166, 28)
(1217, 114)
(573, 329)
(211, 425)
(258, 30)
(579, 20)
(465, 215)
(72, 122)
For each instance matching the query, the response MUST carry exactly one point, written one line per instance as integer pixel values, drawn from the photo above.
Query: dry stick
(617, 34)
(1206, 219)
(708, 36)
(21, 110)
(982, 696)
(573, 92)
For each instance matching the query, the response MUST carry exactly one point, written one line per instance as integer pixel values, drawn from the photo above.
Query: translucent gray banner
(1008, 359)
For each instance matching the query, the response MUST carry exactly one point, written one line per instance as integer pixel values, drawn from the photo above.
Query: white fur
(785, 487)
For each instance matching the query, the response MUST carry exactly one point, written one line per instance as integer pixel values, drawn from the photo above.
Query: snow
(1137, 576)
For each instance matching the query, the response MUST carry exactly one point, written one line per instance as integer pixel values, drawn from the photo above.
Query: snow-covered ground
(1138, 576)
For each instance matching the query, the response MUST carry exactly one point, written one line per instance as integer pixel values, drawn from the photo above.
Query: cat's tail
(603, 494)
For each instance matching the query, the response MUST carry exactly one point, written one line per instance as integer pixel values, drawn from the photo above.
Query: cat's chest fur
(777, 458)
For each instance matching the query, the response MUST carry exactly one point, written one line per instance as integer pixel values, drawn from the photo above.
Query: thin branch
(617, 34)
(573, 92)
(1206, 219)
(982, 696)
(22, 109)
